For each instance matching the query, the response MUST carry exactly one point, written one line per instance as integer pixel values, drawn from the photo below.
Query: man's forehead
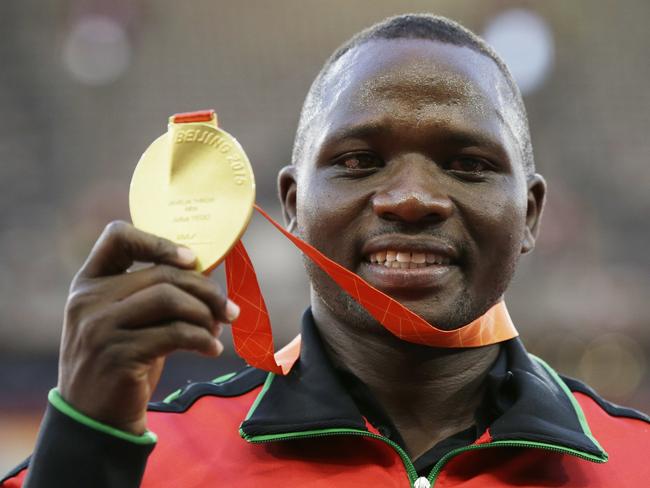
(414, 71)
(371, 76)
(418, 86)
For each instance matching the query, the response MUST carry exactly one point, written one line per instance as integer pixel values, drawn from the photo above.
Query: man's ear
(287, 193)
(536, 199)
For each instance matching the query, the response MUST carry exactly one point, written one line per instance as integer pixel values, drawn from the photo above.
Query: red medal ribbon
(252, 330)
(198, 116)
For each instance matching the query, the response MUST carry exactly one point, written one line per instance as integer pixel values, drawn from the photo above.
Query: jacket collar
(527, 400)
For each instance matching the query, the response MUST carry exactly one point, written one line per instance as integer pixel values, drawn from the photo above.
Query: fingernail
(232, 310)
(217, 329)
(185, 255)
(219, 346)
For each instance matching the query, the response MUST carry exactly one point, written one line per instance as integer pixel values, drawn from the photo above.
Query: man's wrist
(57, 401)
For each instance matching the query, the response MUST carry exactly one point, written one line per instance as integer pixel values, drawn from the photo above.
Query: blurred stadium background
(85, 86)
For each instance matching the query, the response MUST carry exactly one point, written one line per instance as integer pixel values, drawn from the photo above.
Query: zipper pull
(422, 482)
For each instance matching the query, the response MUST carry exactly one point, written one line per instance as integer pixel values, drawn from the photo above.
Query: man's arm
(73, 450)
(118, 328)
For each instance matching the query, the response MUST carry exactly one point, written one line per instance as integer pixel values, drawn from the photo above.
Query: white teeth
(407, 260)
(404, 257)
(418, 257)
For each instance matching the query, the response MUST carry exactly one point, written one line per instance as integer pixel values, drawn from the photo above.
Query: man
(413, 143)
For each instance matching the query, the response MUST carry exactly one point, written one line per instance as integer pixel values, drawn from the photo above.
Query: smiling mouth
(407, 260)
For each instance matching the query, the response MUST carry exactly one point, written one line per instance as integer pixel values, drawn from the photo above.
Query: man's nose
(412, 196)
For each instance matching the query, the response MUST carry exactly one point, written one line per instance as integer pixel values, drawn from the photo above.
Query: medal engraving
(194, 186)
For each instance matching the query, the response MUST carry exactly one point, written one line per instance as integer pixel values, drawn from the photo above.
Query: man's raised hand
(120, 325)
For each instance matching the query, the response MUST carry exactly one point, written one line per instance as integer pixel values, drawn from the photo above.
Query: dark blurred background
(85, 86)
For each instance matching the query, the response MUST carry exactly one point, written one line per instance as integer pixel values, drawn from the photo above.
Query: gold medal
(195, 186)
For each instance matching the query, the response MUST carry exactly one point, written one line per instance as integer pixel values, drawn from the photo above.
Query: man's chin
(443, 302)
(443, 314)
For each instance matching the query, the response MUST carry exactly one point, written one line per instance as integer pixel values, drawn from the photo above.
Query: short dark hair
(418, 26)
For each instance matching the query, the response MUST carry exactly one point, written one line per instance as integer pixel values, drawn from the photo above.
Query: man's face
(411, 177)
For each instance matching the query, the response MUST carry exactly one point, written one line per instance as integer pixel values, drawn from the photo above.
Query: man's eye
(469, 165)
(358, 162)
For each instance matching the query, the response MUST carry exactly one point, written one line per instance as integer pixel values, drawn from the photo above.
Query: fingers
(154, 342)
(193, 283)
(121, 244)
(161, 303)
(118, 326)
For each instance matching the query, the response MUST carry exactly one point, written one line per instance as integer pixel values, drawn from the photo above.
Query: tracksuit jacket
(306, 429)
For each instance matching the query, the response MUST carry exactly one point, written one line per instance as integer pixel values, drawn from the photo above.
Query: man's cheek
(500, 235)
(322, 201)
(315, 213)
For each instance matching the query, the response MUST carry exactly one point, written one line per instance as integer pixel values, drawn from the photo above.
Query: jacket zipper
(512, 443)
(406, 461)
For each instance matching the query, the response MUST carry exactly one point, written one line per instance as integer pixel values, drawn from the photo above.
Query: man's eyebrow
(470, 138)
(456, 137)
(361, 131)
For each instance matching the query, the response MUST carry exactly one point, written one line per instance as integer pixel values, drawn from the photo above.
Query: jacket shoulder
(229, 385)
(612, 409)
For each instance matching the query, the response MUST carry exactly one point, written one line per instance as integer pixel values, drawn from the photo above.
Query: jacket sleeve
(75, 451)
